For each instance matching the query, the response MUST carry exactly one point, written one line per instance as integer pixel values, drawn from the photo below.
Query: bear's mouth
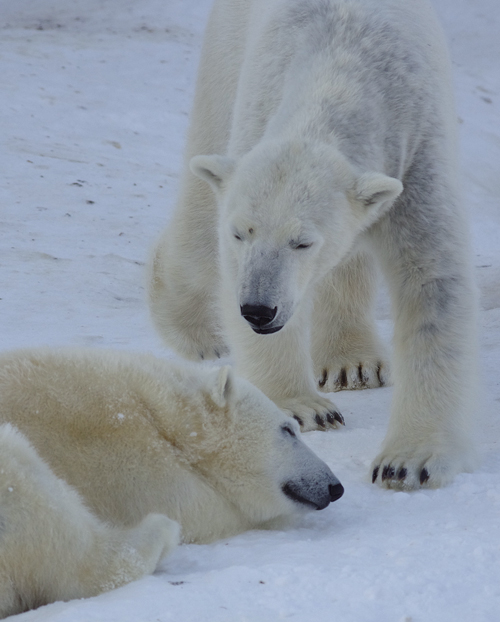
(261, 318)
(291, 492)
(266, 330)
(315, 499)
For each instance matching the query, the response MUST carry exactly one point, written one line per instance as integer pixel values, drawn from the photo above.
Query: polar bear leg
(183, 284)
(424, 252)
(183, 276)
(8, 597)
(346, 351)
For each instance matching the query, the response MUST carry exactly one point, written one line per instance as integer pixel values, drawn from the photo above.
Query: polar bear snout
(315, 495)
(260, 318)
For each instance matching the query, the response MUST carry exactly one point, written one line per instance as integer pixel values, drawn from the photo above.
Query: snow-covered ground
(94, 98)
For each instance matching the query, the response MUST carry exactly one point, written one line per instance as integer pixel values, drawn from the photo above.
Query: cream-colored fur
(97, 448)
(52, 547)
(323, 141)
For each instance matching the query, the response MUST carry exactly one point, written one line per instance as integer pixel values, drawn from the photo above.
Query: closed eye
(288, 430)
(301, 246)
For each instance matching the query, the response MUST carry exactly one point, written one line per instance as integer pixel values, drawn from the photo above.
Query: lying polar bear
(97, 448)
(323, 142)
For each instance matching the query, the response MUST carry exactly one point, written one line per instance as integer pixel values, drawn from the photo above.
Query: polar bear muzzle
(314, 496)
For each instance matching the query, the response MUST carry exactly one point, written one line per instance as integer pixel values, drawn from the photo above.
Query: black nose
(336, 491)
(258, 316)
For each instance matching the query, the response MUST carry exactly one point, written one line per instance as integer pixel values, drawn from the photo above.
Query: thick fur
(52, 547)
(98, 448)
(335, 128)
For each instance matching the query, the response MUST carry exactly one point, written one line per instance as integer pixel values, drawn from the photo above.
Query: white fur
(98, 448)
(336, 128)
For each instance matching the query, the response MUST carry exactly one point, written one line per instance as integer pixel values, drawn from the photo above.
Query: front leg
(183, 278)
(346, 351)
(280, 365)
(429, 439)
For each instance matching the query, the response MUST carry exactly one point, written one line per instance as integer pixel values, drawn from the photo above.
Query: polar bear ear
(214, 169)
(222, 389)
(377, 192)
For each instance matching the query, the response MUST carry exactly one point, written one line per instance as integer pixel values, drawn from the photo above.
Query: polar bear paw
(312, 412)
(213, 351)
(414, 469)
(351, 375)
(201, 345)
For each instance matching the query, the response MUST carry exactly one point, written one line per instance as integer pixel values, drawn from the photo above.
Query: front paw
(212, 350)
(312, 412)
(420, 467)
(349, 375)
(200, 345)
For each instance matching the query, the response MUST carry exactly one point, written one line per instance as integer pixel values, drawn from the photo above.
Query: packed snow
(95, 96)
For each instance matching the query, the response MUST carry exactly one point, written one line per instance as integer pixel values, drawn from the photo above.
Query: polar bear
(98, 448)
(323, 144)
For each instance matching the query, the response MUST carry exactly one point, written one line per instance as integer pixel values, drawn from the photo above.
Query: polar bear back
(391, 49)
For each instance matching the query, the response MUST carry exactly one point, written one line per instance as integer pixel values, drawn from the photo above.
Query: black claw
(380, 381)
(343, 377)
(217, 354)
(402, 473)
(375, 473)
(324, 378)
(424, 476)
(334, 416)
(338, 417)
(388, 472)
(319, 420)
(298, 420)
(360, 373)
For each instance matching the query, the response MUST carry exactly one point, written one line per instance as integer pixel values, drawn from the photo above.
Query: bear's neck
(315, 109)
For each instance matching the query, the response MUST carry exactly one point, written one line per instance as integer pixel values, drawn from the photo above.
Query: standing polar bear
(328, 129)
(97, 449)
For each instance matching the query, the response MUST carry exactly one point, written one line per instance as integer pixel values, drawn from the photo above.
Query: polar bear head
(250, 452)
(289, 212)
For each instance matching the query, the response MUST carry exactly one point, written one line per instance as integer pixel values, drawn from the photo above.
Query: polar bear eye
(288, 430)
(237, 237)
(302, 245)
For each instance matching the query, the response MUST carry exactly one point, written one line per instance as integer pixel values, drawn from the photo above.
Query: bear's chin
(266, 330)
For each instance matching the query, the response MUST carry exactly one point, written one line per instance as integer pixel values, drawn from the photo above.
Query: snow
(94, 97)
